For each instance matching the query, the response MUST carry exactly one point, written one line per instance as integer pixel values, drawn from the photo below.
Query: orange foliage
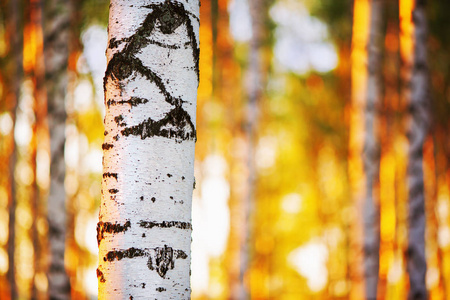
(406, 30)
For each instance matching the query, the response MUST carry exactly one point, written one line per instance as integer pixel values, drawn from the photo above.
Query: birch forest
(228, 149)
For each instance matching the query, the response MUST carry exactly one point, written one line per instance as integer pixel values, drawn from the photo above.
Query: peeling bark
(150, 86)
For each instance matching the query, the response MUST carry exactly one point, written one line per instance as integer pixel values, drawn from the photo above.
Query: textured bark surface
(56, 40)
(371, 151)
(144, 229)
(418, 129)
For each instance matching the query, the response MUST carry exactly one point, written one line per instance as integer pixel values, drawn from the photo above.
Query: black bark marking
(113, 191)
(182, 177)
(167, 17)
(143, 235)
(108, 227)
(119, 121)
(163, 45)
(160, 289)
(169, 175)
(160, 259)
(120, 254)
(141, 285)
(141, 198)
(181, 254)
(165, 224)
(114, 175)
(106, 146)
(164, 260)
(171, 16)
(134, 101)
(176, 124)
(100, 275)
(153, 199)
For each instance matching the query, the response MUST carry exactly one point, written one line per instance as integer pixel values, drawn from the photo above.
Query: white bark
(254, 89)
(56, 53)
(371, 152)
(144, 233)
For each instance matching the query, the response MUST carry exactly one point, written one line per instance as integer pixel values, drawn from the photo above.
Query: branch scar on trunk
(177, 123)
(107, 227)
(160, 259)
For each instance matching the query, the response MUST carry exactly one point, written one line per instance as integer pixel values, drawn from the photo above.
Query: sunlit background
(306, 218)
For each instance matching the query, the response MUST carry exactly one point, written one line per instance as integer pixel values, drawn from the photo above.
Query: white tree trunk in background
(56, 53)
(144, 229)
(254, 91)
(419, 103)
(371, 151)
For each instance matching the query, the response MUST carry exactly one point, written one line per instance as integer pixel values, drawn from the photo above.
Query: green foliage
(94, 12)
(337, 14)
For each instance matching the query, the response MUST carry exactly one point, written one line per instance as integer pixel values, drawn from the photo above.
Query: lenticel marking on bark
(165, 224)
(108, 174)
(113, 191)
(100, 275)
(106, 146)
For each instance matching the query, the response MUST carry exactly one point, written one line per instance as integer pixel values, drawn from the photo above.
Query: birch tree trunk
(144, 229)
(418, 129)
(56, 40)
(371, 151)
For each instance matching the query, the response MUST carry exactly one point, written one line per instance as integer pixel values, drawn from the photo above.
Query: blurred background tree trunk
(371, 151)
(254, 85)
(417, 91)
(12, 74)
(57, 16)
